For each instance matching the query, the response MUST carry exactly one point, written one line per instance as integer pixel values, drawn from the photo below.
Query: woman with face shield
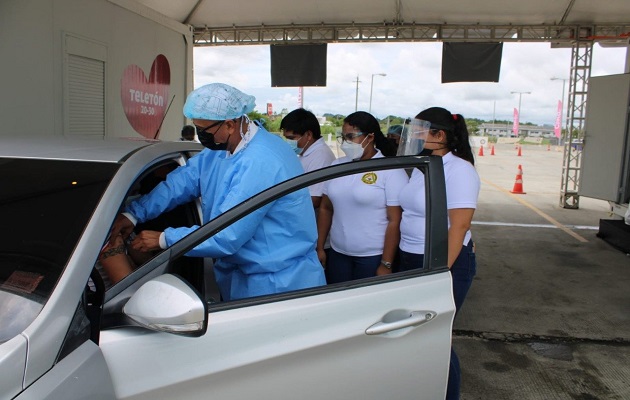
(412, 138)
(361, 212)
(447, 137)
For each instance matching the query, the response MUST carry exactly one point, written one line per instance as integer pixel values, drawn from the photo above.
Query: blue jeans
(342, 268)
(408, 261)
(463, 271)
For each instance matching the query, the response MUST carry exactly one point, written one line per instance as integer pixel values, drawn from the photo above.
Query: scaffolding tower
(573, 137)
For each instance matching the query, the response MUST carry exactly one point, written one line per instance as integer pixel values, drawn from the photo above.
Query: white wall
(32, 45)
(26, 74)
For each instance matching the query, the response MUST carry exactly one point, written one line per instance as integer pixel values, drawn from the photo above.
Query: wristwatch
(387, 264)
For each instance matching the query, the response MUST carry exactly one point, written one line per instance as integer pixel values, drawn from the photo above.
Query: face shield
(413, 137)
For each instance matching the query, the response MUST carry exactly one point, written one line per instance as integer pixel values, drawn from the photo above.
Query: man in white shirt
(301, 130)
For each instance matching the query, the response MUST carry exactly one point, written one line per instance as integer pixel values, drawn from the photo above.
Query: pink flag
(515, 124)
(557, 128)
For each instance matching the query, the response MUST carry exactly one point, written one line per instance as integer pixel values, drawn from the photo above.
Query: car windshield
(44, 208)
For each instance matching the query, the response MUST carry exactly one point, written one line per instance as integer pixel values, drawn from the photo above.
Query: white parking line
(577, 227)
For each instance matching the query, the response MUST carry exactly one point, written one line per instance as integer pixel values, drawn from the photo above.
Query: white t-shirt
(359, 208)
(462, 191)
(317, 156)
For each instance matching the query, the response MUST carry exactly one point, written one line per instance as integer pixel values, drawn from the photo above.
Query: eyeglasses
(347, 137)
(205, 130)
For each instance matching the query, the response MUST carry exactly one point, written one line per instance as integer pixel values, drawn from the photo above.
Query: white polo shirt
(360, 208)
(317, 156)
(462, 191)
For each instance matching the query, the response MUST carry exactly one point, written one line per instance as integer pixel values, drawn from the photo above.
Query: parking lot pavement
(548, 314)
(539, 370)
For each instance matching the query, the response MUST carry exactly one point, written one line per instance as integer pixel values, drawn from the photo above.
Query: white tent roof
(228, 13)
(222, 22)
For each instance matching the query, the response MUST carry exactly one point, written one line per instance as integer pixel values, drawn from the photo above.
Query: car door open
(380, 337)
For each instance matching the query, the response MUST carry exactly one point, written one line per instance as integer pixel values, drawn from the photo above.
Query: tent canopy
(228, 13)
(221, 22)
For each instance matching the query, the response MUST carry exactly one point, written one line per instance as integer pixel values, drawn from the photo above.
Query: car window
(237, 220)
(44, 208)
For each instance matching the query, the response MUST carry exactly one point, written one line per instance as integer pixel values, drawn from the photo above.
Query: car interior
(36, 193)
(197, 272)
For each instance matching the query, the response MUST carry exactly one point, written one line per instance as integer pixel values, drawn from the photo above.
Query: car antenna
(161, 122)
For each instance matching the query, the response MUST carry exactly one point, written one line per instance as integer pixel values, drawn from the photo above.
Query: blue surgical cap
(218, 102)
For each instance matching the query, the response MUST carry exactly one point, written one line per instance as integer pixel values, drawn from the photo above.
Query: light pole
(356, 96)
(372, 87)
(520, 94)
(564, 81)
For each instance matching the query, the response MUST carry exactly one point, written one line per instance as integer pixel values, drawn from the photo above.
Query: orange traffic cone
(492, 150)
(481, 150)
(519, 151)
(518, 183)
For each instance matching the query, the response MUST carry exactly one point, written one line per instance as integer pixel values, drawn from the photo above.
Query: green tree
(393, 120)
(335, 119)
(274, 123)
(326, 129)
(256, 116)
(473, 126)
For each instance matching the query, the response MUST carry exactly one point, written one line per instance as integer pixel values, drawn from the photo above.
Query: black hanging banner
(471, 62)
(298, 65)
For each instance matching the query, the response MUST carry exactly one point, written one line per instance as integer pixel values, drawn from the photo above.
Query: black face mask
(207, 140)
(429, 152)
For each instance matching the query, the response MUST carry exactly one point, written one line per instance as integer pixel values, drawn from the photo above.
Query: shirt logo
(369, 178)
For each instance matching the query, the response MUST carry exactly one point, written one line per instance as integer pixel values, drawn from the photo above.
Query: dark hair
(300, 121)
(368, 124)
(188, 132)
(456, 131)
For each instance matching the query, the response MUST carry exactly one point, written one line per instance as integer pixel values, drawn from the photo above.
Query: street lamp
(520, 94)
(372, 87)
(564, 81)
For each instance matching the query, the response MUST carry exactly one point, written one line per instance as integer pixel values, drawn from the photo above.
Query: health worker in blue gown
(272, 250)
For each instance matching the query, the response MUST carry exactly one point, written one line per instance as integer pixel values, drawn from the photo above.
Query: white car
(162, 332)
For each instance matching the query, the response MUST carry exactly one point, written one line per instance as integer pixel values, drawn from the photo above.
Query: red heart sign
(145, 101)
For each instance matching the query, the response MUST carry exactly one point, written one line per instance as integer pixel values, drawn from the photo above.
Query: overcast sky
(413, 80)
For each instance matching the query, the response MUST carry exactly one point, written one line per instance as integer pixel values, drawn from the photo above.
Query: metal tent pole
(581, 57)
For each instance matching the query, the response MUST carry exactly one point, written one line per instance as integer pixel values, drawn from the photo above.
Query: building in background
(505, 130)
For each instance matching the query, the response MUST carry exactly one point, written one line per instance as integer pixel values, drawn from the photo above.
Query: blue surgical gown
(272, 249)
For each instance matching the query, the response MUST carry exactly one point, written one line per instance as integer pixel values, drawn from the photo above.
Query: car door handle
(414, 318)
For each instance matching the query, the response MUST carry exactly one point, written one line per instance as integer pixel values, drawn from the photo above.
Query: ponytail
(386, 147)
(460, 145)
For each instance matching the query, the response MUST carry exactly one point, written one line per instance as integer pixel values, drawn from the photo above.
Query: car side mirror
(168, 304)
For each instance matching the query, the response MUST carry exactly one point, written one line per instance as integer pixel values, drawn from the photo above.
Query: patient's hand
(146, 241)
(122, 226)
